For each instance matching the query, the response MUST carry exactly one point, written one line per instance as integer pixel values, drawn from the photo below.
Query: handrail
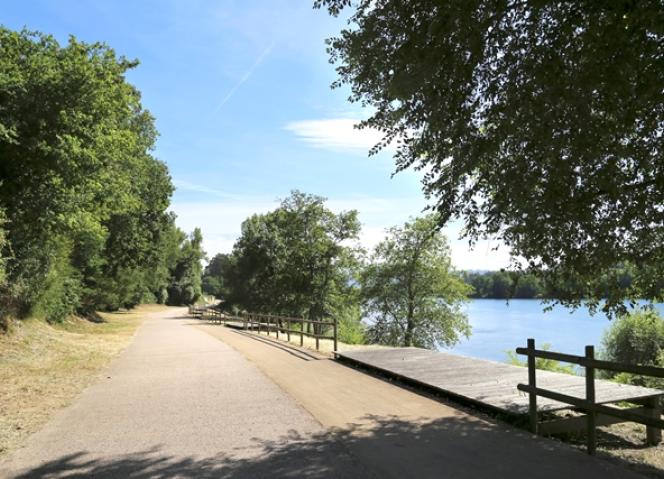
(591, 406)
(653, 421)
(594, 363)
(272, 323)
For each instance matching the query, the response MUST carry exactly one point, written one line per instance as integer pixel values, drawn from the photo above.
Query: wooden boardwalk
(485, 383)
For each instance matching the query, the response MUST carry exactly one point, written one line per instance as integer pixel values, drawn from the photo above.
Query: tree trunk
(410, 326)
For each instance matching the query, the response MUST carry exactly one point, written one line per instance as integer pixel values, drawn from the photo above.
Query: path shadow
(284, 346)
(376, 447)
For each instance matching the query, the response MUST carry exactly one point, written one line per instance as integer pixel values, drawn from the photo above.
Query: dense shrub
(351, 329)
(636, 338)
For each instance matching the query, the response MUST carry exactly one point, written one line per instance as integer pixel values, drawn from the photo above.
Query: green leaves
(294, 260)
(85, 200)
(410, 292)
(185, 285)
(636, 338)
(539, 123)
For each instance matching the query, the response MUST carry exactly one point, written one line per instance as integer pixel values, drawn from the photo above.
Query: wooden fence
(596, 414)
(278, 325)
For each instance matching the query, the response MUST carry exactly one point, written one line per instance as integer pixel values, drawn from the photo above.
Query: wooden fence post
(277, 323)
(653, 434)
(302, 333)
(288, 324)
(532, 383)
(590, 397)
(336, 332)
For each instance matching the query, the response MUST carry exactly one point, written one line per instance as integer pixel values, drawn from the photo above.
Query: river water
(499, 326)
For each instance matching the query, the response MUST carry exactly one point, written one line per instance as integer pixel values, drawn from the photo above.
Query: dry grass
(44, 367)
(626, 442)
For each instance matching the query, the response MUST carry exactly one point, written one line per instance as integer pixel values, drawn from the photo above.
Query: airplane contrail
(245, 77)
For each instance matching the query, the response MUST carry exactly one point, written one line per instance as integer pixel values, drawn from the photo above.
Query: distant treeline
(84, 224)
(520, 285)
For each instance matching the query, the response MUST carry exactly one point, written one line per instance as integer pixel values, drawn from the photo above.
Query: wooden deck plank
(484, 382)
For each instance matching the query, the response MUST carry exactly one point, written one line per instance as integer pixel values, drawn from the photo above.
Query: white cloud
(336, 134)
(221, 219)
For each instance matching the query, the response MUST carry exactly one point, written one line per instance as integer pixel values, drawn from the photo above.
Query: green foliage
(542, 363)
(294, 260)
(84, 224)
(347, 311)
(515, 112)
(351, 329)
(3, 246)
(185, 287)
(635, 338)
(503, 284)
(213, 276)
(59, 294)
(410, 291)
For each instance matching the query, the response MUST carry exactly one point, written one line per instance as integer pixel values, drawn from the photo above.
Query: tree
(410, 291)
(539, 123)
(83, 197)
(213, 275)
(185, 287)
(501, 286)
(297, 260)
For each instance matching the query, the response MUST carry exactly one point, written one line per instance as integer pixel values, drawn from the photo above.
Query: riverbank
(43, 367)
(499, 326)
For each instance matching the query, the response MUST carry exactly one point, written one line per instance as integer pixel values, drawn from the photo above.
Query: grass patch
(43, 367)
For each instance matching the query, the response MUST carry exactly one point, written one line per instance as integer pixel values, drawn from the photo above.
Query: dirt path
(397, 433)
(177, 403)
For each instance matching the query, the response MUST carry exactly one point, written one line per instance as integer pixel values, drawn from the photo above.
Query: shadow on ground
(457, 447)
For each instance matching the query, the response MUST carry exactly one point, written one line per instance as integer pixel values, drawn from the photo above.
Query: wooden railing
(650, 415)
(197, 311)
(279, 325)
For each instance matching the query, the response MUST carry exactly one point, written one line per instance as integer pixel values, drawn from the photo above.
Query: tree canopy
(213, 282)
(410, 292)
(294, 260)
(84, 224)
(539, 123)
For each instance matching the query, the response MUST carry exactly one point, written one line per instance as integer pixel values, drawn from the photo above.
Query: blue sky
(241, 95)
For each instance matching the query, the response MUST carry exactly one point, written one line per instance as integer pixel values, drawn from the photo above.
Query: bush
(162, 296)
(542, 363)
(60, 300)
(351, 330)
(58, 295)
(182, 295)
(635, 338)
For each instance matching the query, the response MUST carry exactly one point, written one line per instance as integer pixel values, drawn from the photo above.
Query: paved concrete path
(178, 403)
(397, 433)
(182, 403)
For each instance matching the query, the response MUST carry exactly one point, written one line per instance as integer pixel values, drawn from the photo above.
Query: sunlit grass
(44, 367)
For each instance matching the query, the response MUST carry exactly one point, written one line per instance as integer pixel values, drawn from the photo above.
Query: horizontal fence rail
(279, 325)
(650, 416)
